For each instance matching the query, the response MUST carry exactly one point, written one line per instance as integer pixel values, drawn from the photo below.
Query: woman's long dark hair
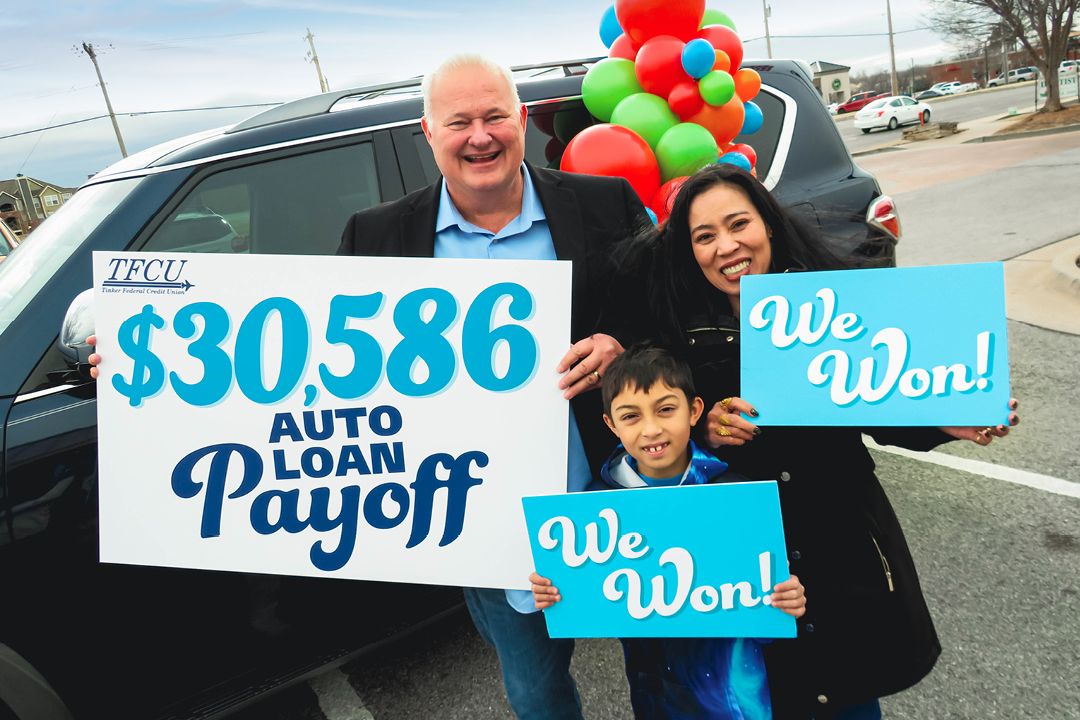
(669, 278)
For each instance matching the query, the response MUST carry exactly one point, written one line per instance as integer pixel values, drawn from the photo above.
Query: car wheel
(866, 131)
(925, 116)
(892, 123)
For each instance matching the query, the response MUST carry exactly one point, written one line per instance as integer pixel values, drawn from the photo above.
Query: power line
(850, 35)
(134, 114)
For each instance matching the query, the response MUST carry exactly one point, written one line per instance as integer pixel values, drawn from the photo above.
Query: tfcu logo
(146, 275)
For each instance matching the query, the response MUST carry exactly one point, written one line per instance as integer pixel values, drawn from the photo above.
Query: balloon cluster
(671, 97)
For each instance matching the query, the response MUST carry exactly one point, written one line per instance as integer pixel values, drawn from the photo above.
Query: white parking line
(978, 467)
(337, 699)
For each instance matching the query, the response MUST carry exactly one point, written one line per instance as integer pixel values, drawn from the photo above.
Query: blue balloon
(754, 119)
(737, 159)
(610, 29)
(698, 58)
(652, 216)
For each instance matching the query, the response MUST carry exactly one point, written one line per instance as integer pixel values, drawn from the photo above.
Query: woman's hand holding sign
(727, 426)
(985, 435)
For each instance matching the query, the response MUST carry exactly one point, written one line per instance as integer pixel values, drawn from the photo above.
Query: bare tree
(1042, 27)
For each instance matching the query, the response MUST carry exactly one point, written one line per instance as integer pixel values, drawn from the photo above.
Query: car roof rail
(321, 104)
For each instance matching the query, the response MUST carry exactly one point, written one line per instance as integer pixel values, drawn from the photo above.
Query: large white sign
(1068, 88)
(372, 418)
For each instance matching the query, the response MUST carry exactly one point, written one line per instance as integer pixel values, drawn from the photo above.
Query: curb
(1026, 134)
(1042, 287)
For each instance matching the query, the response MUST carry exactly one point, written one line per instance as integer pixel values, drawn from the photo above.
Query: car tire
(925, 116)
(892, 123)
(866, 131)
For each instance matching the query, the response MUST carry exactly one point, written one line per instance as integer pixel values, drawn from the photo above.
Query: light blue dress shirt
(526, 237)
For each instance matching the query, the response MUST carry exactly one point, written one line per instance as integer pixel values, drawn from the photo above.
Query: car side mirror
(77, 326)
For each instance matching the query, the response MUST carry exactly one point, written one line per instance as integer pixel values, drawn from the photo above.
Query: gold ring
(723, 432)
(592, 378)
(724, 420)
(596, 374)
(726, 401)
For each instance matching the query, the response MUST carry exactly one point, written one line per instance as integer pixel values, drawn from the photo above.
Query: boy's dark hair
(640, 367)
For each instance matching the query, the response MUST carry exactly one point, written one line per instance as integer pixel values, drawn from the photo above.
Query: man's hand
(584, 364)
(94, 358)
(790, 596)
(544, 595)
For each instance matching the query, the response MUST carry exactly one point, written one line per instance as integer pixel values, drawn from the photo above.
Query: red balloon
(685, 100)
(723, 122)
(659, 65)
(664, 197)
(615, 151)
(749, 152)
(644, 19)
(747, 84)
(624, 47)
(724, 38)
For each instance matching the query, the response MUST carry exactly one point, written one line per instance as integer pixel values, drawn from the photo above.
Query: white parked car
(1068, 66)
(947, 88)
(1015, 75)
(968, 87)
(891, 112)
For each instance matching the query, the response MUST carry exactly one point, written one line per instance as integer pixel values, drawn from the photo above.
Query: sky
(188, 55)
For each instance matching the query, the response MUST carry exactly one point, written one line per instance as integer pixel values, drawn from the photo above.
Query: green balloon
(715, 17)
(606, 84)
(685, 149)
(647, 115)
(717, 88)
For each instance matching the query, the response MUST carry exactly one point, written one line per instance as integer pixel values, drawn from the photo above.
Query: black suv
(119, 641)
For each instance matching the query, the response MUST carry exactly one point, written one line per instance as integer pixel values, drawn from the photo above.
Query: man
(492, 204)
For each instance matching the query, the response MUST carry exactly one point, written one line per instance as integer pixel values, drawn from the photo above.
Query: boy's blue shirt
(621, 471)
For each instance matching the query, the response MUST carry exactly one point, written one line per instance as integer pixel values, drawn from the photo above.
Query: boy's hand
(727, 426)
(544, 595)
(94, 358)
(790, 596)
(585, 362)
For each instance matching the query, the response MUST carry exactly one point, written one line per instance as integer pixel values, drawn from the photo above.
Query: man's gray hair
(463, 60)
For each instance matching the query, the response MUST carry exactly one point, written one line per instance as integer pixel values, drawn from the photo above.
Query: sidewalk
(1042, 287)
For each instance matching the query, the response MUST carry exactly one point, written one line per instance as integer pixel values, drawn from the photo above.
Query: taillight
(882, 215)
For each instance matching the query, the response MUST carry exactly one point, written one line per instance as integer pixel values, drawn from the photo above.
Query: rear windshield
(875, 104)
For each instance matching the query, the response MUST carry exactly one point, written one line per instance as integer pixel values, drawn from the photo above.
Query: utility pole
(768, 39)
(892, 49)
(314, 58)
(913, 76)
(88, 48)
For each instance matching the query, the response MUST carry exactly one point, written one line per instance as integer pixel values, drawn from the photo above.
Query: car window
(874, 105)
(907, 101)
(296, 204)
(895, 103)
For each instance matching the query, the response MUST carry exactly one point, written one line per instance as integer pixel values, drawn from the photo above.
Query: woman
(867, 631)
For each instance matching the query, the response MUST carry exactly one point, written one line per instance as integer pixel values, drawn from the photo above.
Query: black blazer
(586, 215)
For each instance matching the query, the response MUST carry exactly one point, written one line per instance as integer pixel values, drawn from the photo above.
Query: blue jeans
(535, 668)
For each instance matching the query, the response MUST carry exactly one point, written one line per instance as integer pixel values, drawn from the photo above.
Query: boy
(651, 405)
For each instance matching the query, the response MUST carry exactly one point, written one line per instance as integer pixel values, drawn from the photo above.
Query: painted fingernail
(753, 412)
(757, 431)
(1012, 404)
(1014, 419)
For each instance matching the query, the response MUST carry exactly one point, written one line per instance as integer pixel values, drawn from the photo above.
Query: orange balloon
(747, 84)
(723, 122)
(723, 62)
(664, 197)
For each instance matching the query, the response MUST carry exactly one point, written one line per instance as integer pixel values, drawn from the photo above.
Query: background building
(832, 81)
(25, 202)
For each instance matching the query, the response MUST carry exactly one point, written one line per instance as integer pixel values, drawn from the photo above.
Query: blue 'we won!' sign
(696, 561)
(921, 346)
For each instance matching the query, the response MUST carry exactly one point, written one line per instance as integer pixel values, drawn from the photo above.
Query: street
(956, 108)
(994, 530)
